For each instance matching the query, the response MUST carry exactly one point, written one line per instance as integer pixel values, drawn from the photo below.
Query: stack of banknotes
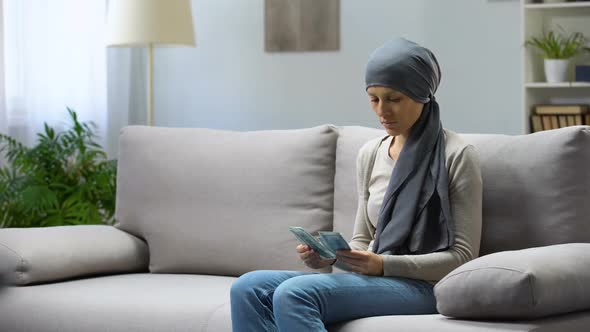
(325, 245)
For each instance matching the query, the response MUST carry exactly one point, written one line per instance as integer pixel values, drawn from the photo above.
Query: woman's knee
(295, 291)
(246, 283)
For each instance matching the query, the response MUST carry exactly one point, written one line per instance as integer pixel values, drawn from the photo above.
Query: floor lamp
(145, 23)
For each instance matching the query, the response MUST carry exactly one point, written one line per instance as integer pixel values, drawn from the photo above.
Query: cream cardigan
(465, 195)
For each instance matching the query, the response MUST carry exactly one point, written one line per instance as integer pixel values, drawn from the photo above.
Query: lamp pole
(142, 23)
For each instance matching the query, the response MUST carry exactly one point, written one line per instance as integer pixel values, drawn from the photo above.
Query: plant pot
(556, 70)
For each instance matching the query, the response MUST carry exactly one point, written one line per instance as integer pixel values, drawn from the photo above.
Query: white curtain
(54, 57)
(127, 94)
(3, 124)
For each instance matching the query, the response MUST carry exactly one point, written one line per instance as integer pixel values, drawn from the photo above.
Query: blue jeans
(300, 301)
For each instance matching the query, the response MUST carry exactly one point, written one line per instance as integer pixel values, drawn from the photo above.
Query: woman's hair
(404, 66)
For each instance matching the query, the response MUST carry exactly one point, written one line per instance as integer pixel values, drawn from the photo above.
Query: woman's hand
(363, 262)
(311, 258)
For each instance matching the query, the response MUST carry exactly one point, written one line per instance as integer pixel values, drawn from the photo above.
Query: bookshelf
(572, 17)
(563, 5)
(540, 85)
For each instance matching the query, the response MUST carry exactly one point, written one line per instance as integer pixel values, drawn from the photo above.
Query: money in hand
(334, 241)
(304, 237)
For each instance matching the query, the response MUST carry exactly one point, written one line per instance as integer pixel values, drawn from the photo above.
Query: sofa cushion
(521, 284)
(577, 322)
(166, 302)
(220, 202)
(132, 302)
(535, 188)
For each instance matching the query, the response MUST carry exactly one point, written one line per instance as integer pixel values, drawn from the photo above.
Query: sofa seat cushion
(577, 322)
(131, 302)
(177, 302)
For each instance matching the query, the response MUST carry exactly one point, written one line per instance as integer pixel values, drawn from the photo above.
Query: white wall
(229, 82)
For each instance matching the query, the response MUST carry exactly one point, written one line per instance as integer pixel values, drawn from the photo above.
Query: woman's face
(396, 111)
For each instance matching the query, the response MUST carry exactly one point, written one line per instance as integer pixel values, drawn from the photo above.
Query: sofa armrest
(36, 255)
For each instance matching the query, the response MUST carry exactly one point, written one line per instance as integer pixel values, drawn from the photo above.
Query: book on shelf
(554, 122)
(571, 120)
(554, 116)
(568, 109)
(562, 120)
(536, 123)
(546, 121)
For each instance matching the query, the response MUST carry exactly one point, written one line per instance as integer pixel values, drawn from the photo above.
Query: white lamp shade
(143, 22)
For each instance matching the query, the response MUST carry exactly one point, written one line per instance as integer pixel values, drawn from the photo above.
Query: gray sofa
(198, 207)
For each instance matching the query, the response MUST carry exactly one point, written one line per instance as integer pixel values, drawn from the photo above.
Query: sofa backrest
(220, 202)
(535, 187)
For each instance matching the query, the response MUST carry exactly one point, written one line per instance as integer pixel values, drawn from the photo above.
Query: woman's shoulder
(370, 147)
(454, 143)
(457, 150)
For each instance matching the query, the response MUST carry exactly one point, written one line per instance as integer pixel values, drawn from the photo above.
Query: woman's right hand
(311, 258)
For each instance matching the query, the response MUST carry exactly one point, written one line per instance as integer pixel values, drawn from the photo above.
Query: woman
(419, 214)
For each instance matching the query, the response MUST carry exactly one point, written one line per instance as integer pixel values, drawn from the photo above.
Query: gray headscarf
(415, 215)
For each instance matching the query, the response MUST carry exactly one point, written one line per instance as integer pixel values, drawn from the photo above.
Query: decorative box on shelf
(582, 73)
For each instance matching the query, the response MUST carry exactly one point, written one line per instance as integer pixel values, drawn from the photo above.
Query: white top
(379, 181)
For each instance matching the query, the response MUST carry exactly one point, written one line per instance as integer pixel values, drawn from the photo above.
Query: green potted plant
(557, 51)
(65, 179)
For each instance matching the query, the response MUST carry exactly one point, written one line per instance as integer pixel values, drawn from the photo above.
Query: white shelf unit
(557, 85)
(539, 17)
(581, 4)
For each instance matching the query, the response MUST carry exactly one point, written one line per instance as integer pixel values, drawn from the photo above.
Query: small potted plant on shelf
(557, 51)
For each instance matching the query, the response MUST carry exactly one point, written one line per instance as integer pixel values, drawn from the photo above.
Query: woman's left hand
(364, 262)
